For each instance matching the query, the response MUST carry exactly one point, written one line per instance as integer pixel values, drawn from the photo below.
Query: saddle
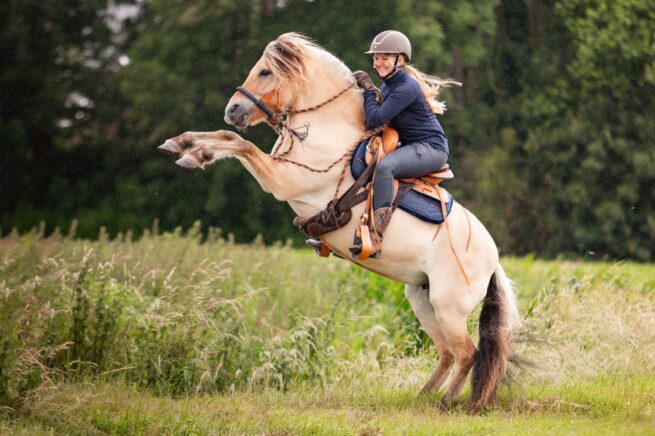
(338, 212)
(427, 184)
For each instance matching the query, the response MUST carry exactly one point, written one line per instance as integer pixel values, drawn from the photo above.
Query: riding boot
(381, 218)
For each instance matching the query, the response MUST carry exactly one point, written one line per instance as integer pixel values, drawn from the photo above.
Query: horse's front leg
(197, 150)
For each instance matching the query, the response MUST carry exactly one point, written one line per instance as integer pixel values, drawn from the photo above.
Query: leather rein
(276, 120)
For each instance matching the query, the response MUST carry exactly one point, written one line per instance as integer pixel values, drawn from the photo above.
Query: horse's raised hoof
(169, 149)
(187, 163)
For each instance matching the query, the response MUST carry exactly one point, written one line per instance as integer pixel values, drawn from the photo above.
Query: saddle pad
(421, 206)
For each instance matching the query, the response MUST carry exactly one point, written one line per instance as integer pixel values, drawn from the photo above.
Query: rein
(275, 118)
(277, 121)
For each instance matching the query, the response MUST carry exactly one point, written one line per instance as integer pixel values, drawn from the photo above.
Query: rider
(408, 104)
(409, 101)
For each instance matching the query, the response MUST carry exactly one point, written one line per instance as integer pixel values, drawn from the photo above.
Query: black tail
(497, 320)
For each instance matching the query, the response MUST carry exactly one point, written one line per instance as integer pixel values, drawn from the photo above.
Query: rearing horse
(296, 77)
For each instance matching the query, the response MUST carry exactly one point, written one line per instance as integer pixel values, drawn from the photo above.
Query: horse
(315, 90)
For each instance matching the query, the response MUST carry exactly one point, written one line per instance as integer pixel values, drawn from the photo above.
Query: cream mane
(289, 58)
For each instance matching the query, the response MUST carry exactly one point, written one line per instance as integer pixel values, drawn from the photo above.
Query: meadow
(180, 333)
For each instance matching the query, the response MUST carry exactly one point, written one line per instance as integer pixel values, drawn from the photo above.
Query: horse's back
(411, 255)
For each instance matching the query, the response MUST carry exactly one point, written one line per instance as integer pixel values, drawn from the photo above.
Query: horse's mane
(288, 57)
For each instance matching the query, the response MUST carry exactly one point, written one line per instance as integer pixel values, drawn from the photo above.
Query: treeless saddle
(338, 212)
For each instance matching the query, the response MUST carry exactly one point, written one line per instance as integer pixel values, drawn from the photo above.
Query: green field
(178, 334)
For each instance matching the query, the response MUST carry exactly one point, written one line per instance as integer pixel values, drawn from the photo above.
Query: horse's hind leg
(420, 302)
(452, 319)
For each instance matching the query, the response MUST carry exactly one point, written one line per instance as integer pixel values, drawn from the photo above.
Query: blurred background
(552, 135)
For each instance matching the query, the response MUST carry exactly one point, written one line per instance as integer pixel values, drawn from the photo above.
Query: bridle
(259, 102)
(277, 119)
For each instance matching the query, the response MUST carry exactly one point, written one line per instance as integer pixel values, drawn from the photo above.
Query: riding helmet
(391, 41)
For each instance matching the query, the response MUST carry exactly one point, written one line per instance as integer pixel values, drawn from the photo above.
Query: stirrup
(362, 249)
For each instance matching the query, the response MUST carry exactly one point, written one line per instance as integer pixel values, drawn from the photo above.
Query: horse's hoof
(423, 392)
(187, 163)
(446, 404)
(169, 149)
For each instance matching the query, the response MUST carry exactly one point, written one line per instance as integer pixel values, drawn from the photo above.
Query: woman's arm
(399, 98)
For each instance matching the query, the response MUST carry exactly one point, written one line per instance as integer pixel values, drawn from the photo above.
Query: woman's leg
(411, 160)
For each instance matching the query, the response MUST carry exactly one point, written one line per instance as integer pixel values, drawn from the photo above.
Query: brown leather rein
(276, 116)
(277, 122)
(342, 205)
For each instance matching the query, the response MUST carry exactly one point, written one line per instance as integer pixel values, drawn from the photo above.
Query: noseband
(258, 102)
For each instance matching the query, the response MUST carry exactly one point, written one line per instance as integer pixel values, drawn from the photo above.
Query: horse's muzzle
(237, 114)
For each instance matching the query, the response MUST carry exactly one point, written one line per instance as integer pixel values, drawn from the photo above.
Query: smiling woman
(408, 100)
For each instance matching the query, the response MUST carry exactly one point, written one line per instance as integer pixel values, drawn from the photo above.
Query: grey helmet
(391, 41)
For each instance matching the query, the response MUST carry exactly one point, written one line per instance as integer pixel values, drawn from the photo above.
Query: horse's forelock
(287, 56)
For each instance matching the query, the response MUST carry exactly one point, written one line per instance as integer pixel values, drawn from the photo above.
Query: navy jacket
(404, 105)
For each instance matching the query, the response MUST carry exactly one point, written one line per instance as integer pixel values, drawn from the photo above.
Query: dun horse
(315, 89)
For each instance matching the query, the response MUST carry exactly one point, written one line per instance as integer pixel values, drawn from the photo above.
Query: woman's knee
(387, 165)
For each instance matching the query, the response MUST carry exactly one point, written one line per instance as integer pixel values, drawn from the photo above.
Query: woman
(408, 104)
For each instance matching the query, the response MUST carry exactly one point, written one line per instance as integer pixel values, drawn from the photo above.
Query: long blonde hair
(431, 85)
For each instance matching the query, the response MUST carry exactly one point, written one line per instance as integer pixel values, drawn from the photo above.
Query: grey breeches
(411, 160)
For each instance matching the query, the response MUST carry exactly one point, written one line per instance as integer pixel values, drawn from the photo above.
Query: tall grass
(179, 314)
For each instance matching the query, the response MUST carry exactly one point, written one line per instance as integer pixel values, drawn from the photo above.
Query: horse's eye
(264, 73)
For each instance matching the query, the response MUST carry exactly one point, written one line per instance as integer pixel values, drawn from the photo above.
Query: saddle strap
(325, 250)
(367, 244)
(450, 236)
(337, 213)
(367, 221)
(352, 196)
(367, 228)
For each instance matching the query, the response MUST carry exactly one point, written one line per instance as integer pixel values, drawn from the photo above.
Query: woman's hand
(363, 80)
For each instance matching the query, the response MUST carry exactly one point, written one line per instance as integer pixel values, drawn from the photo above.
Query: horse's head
(273, 81)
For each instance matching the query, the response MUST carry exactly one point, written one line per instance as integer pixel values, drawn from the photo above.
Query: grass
(174, 334)
(610, 405)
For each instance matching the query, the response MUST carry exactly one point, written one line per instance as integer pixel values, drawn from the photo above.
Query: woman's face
(383, 63)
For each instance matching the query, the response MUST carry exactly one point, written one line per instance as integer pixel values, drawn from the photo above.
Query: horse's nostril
(234, 108)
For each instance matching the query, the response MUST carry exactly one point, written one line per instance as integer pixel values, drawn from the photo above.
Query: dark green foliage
(551, 135)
